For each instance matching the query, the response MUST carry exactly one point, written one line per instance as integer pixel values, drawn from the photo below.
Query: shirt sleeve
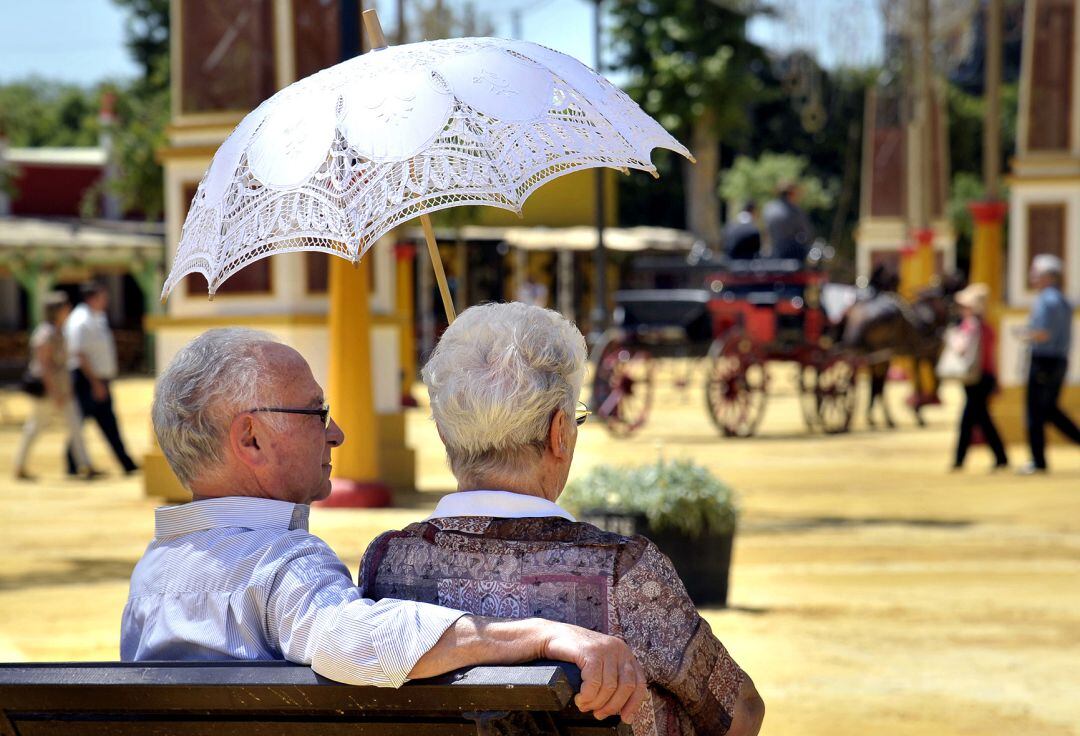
(1040, 314)
(316, 616)
(674, 644)
(75, 334)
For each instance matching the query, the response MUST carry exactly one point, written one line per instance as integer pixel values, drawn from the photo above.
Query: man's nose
(334, 435)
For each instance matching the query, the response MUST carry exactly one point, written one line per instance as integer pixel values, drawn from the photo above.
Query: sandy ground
(872, 591)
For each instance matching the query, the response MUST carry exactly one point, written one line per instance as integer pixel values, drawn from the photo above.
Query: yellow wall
(563, 202)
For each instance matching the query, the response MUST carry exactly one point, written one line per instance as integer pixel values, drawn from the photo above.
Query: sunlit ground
(872, 592)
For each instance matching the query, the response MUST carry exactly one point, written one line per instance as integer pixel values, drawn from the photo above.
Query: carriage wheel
(736, 385)
(827, 393)
(626, 376)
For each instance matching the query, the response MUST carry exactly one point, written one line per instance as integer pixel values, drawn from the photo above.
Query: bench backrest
(279, 698)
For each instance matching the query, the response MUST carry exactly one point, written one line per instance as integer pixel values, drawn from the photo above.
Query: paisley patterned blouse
(576, 573)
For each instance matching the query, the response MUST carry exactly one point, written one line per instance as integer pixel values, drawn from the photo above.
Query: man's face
(1040, 280)
(98, 301)
(299, 453)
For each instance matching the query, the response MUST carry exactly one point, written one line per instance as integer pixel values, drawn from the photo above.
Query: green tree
(143, 109)
(757, 180)
(36, 113)
(690, 66)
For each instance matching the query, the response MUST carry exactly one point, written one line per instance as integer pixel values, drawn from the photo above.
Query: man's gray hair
(1047, 264)
(497, 376)
(214, 377)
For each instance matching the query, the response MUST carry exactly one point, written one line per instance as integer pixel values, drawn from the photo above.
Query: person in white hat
(1050, 334)
(980, 339)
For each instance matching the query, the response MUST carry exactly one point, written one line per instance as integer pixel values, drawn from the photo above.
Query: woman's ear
(244, 441)
(557, 435)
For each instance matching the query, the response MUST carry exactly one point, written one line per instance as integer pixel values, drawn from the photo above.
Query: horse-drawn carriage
(743, 315)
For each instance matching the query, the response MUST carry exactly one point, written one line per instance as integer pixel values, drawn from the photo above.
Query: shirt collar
(497, 504)
(230, 511)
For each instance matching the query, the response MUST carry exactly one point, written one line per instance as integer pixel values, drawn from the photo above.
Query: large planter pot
(703, 562)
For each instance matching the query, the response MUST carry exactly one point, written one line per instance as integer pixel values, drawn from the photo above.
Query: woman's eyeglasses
(581, 414)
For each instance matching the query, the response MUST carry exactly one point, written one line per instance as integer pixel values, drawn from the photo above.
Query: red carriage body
(746, 315)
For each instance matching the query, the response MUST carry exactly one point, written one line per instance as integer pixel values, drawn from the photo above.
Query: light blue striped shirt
(242, 578)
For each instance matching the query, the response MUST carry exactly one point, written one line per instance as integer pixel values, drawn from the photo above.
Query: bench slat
(245, 728)
(274, 687)
(280, 699)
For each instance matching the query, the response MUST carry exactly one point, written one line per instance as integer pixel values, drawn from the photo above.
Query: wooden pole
(436, 264)
(992, 84)
(378, 41)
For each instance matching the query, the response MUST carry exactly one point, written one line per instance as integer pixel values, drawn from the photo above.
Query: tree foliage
(36, 113)
(691, 66)
(686, 57)
(758, 179)
(143, 109)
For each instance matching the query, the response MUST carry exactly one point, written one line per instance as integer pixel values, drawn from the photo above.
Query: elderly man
(234, 574)
(1050, 334)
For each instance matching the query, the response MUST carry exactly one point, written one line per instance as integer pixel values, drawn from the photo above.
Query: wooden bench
(283, 699)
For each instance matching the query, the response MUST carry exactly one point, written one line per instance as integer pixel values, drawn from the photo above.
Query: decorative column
(37, 280)
(405, 256)
(356, 479)
(924, 257)
(986, 260)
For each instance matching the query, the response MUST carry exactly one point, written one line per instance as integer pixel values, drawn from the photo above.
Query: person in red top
(972, 302)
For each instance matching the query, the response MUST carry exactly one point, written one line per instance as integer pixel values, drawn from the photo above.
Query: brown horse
(886, 326)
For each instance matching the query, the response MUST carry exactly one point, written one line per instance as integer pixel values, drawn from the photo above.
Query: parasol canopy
(334, 161)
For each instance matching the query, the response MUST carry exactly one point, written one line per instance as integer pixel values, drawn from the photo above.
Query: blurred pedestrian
(48, 383)
(92, 360)
(980, 343)
(742, 238)
(788, 227)
(1049, 332)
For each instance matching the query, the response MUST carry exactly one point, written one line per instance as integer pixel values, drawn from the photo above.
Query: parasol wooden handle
(378, 41)
(436, 264)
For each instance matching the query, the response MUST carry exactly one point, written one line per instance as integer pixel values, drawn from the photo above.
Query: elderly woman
(504, 384)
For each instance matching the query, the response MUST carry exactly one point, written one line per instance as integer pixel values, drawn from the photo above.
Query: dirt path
(872, 592)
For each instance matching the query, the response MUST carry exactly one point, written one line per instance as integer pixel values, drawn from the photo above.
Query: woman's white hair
(497, 376)
(212, 379)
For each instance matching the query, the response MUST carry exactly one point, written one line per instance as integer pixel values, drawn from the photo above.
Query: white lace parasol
(334, 161)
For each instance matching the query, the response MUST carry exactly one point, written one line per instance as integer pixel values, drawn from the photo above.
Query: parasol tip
(691, 157)
(520, 214)
(655, 174)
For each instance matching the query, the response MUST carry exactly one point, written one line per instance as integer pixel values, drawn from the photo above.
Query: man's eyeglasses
(323, 414)
(581, 414)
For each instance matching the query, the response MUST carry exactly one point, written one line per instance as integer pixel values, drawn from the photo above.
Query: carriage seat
(671, 314)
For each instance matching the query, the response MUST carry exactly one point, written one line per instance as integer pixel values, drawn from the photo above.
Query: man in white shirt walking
(92, 360)
(235, 574)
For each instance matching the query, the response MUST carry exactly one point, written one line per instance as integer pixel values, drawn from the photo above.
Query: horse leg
(878, 373)
(920, 397)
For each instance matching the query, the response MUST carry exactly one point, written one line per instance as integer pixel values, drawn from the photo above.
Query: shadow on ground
(813, 523)
(75, 572)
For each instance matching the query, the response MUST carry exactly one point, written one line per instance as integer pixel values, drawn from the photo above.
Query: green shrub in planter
(683, 508)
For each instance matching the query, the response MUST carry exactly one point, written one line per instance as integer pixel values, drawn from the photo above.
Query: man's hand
(99, 391)
(612, 680)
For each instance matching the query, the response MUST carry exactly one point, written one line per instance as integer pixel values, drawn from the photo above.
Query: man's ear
(557, 432)
(244, 441)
